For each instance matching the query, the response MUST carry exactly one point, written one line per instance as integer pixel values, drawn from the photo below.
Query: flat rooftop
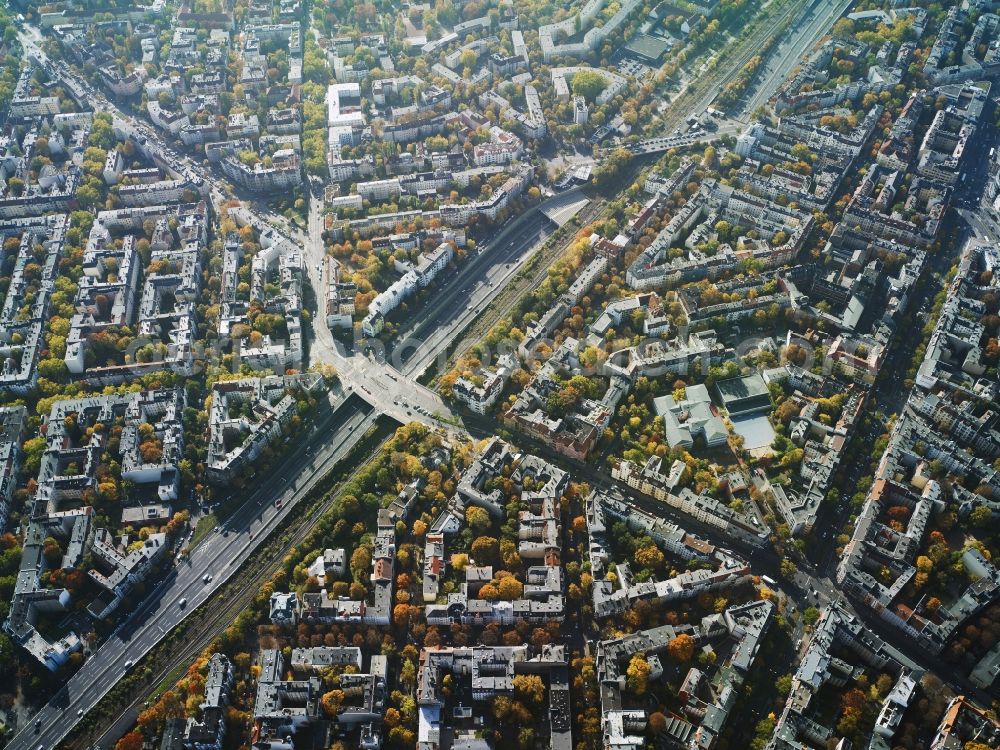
(647, 47)
(743, 394)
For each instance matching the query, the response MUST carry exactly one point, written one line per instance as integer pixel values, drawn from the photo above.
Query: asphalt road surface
(336, 432)
(218, 555)
(481, 279)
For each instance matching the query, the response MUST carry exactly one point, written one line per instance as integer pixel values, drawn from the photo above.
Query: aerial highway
(437, 322)
(376, 387)
(698, 92)
(208, 565)
(341, 424)
(477, 284)
(373, 384)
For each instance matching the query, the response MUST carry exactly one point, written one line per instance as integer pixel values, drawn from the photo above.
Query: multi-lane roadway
(384, 385)
(336, 431)
(436, 323)
(217, 557)
(379, 388)
(467, 294)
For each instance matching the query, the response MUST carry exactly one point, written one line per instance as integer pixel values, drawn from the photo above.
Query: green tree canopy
(589, 84)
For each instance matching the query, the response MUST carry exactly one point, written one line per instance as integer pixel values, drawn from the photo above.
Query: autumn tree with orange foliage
(681, 648)
(510, 588)
(152, 720)
(131, 741)
(657, 722)
(331, 702)
(852, 706)
(403, 614)
(531, 688)
(637, 674)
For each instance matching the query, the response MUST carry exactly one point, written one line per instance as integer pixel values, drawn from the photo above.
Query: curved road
(335, 433)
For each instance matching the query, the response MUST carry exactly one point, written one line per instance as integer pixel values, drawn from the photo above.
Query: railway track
(538, 268)
(221, 611)
(218, 613)
(764, 28)
(700, 95)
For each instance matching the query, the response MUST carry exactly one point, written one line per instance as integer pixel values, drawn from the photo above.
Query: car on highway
(182, 603)
(278, 503)
(206, 578)
(128, 664)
